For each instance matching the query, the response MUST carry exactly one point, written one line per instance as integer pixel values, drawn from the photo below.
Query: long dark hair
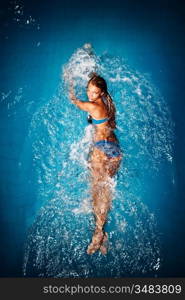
(100, 82)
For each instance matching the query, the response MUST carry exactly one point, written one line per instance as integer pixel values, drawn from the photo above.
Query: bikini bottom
(110, 148)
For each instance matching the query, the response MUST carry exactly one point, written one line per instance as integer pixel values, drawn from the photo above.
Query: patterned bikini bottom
(110, 148)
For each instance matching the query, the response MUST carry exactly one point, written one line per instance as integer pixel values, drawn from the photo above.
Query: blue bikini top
(94, 121)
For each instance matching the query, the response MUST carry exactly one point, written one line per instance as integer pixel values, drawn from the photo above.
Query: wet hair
(100, 82)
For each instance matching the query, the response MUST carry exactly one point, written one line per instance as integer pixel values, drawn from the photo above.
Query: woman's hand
(71, 92)
(86, 106)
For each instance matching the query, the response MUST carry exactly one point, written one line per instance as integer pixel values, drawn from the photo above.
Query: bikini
(110, 148)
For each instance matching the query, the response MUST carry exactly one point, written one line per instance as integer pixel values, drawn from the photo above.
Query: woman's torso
(102, 131)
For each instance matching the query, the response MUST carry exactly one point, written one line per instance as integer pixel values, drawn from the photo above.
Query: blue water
(46, 214)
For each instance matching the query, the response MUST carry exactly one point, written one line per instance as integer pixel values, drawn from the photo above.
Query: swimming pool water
(46, 209)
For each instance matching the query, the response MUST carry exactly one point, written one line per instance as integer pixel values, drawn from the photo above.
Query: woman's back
(102, 122)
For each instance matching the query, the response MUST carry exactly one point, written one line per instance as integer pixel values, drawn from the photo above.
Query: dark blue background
(150, 35)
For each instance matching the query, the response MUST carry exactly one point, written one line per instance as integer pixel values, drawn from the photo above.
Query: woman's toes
(96, 242)
(103, 250)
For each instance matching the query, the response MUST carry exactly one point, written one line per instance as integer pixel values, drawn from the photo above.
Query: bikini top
(94, 121)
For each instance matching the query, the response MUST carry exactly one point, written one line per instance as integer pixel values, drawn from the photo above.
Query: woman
(105, 158)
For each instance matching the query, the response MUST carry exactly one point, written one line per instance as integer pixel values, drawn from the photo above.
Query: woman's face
(93, 92)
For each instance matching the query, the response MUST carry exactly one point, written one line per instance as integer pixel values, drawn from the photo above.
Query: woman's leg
(102, 169)
(101, 197)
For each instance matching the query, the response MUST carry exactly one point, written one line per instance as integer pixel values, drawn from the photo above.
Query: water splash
(61, 139)
(20, 17)
(14, 102)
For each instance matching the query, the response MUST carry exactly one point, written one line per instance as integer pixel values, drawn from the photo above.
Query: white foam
(85, 207)
(80, 65)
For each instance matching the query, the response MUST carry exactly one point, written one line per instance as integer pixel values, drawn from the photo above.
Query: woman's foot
(104, 245)
(96, 241)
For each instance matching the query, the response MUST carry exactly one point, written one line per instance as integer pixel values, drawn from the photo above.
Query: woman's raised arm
(86, 106)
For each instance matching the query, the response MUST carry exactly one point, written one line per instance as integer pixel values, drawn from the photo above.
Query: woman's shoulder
(99, 111)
